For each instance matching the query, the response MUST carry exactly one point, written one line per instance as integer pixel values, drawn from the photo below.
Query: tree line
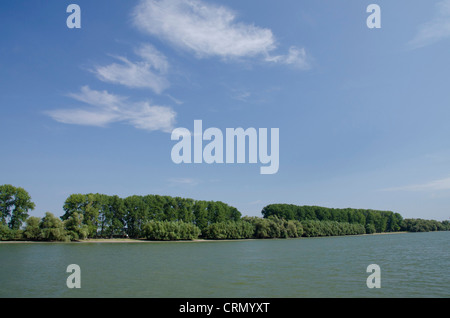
(164, 218)
(420, 225)
(108, 216)
(372, 220)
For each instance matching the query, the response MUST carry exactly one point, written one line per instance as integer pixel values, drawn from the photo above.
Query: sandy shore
(384, 233)
(100, 241)
(120, 241)
(133, 241)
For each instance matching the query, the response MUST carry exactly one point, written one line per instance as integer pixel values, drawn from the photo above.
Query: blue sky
(363, 113)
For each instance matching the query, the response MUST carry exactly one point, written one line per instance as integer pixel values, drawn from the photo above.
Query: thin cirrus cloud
(150, 72)
(102, 108)
(438, 28)
(209, 30)
(183, 181)
(296, 57)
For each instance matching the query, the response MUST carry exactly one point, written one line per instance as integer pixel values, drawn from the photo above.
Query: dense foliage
(15, 203)
(49, 228)
(274, 227)
(230, 230)
(170, 230)
(372, 220)
(420, 225)
(313, 228)
(108, 216)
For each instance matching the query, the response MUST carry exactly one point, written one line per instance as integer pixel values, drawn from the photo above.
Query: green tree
(156, 206)
(15, 203)
(74, 203)
(75, 229)
(137, 214)
(185, 209)
(370, 228)
(394, 222)
(32, 229)
(52, 228)
(170, 230)
(6, 234)
(104, 215)
(229, 230)
(115, 216)
(201, 214)
(421, 225)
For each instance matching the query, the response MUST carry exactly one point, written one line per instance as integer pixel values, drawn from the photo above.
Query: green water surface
(411, 264)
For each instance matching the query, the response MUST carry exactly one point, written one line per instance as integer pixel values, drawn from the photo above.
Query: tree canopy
(107, 216)
(15, 203)
(372, 220)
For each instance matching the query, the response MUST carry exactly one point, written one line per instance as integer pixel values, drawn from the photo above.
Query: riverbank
(384, 233)
(128, 240)
(124, 241)
(212, 240)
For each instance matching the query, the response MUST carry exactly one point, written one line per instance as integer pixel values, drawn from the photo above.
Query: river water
(411, 265)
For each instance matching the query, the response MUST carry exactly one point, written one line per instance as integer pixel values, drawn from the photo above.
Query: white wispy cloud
(209, 30)
(175, 100)
(183, 181)
(242, 95)
(440, 184)
(149, 72)
(156, 59)
(102, 108)
(438, 28)
(296, 57)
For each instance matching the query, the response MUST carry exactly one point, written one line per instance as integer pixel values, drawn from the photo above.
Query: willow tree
(52, 228)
